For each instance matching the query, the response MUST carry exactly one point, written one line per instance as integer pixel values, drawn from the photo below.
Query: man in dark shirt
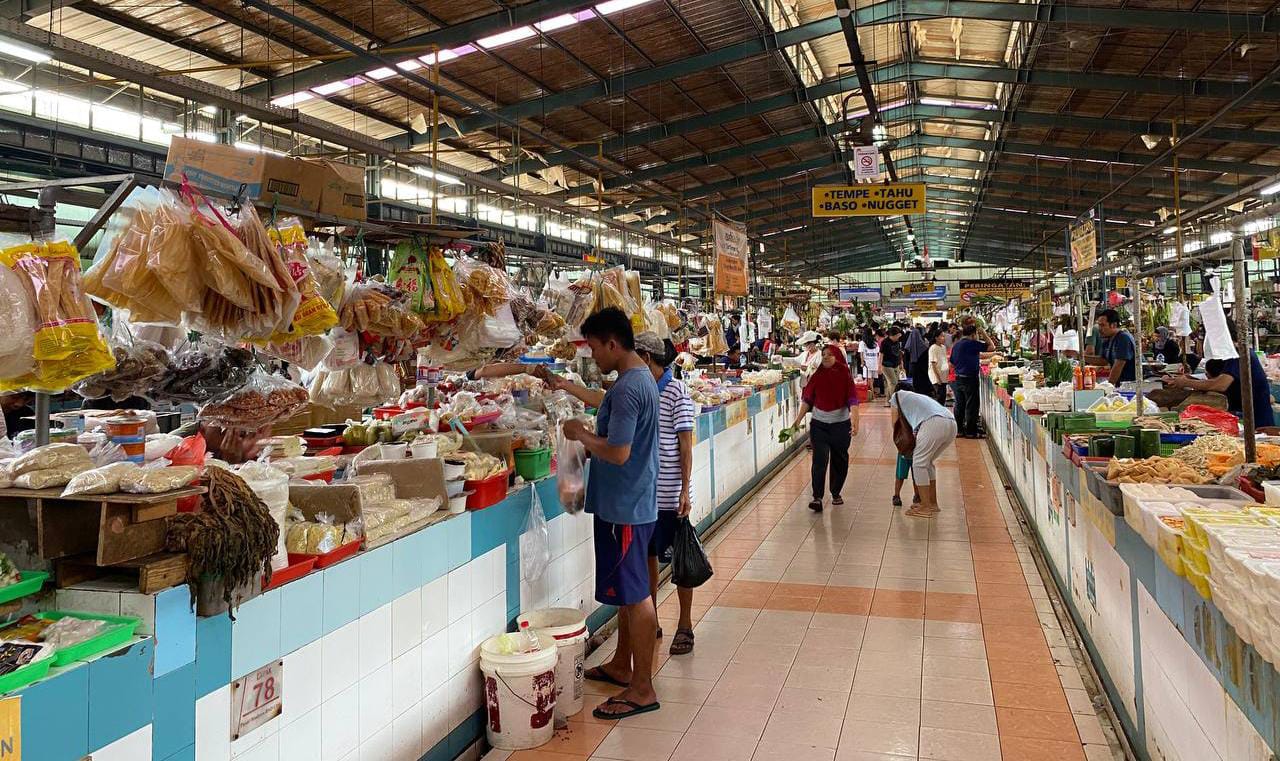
(1118, 349)
(1224, 378)
(966, 357)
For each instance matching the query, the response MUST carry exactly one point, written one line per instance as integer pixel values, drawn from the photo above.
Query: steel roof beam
(891, 12)
(444, 38)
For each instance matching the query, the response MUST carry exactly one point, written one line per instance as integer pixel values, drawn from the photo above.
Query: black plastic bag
(690, 566)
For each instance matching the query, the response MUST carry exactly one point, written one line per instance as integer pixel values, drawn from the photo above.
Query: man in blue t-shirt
(1118, 349)
(621, 494)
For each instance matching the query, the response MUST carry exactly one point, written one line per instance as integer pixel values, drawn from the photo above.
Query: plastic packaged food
(101, 480)
(138, 365)
(49, 478)
(262, 400)
(410, 272)
(197, 375)
(69, 631)
(307, 352)
(314, 314)
(157, 480)
(66, 346)
(148, 224)
(449, 299)
(51, 456)
(17, 327)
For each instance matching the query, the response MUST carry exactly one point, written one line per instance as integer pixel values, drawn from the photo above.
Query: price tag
(256, 699)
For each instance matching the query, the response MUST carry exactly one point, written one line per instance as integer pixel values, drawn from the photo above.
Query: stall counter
(376, 653)
(1182, 682)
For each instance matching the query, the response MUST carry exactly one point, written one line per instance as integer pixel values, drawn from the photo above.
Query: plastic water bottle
(530, 639)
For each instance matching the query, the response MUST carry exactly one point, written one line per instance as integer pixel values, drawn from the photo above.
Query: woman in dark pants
(830, 395)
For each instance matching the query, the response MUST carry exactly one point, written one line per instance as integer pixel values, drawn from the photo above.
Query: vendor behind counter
(1224, 377)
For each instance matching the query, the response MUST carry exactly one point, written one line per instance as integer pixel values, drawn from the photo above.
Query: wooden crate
(153, 572)
(112, 528)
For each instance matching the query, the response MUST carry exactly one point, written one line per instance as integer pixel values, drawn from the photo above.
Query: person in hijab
(1166, 347)
(917, 351)
(830, 396)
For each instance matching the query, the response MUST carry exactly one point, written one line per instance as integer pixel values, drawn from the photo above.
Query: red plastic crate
(328, 558)
(488, 492)
(291, 572)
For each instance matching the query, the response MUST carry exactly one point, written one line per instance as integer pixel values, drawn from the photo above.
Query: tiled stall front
(1185, 687)
(379, 653)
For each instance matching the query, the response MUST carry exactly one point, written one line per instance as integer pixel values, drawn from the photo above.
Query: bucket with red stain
(519, 694)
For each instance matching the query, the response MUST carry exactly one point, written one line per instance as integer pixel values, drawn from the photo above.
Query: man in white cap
(811, 360)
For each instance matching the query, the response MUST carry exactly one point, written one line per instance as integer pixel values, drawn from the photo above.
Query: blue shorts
(664, 533)
(622, 562)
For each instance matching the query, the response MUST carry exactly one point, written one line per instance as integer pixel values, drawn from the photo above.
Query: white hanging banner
(866, 162)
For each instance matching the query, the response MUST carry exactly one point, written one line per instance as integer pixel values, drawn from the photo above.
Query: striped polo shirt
(675, 415)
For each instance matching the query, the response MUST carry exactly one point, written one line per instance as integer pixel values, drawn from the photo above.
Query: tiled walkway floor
(860, 634)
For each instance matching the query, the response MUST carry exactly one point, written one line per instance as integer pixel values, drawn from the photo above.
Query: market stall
(341, 494)
(1165, 558)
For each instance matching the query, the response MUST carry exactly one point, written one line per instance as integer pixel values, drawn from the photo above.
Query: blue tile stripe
(1251, 681)
(157, 681)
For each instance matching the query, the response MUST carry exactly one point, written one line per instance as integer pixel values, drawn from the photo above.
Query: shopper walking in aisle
(916, 353)
(966, 357)
(939, 365)
(891, 359)
(831, 397)
(935, 430)
(869, 350)
(622, 494)
(675, 466)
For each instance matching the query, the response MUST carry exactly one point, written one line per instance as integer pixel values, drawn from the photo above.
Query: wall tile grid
(380, 652)
(1186, 687)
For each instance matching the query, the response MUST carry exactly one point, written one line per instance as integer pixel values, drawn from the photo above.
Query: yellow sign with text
(11, 729)
(887, 200)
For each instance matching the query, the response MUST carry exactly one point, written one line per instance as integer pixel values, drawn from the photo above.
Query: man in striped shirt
(675, 464)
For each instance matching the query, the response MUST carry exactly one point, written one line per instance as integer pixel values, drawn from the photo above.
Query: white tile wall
(389, 685)
(569, 580)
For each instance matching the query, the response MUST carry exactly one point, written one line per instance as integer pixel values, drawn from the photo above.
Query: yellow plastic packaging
(314, 316)
(67, 346)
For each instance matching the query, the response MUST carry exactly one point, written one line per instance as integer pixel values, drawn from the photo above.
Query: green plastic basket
(113, 636)
(25, 675)
(533, 464)
(29, 585)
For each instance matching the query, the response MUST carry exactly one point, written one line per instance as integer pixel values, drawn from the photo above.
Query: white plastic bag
(571, 474)
(535, 541)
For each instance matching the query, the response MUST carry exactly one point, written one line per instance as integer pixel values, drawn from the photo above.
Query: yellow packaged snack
(314, 315)
(67, 346)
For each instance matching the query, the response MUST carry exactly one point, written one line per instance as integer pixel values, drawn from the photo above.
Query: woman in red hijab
(830, 396)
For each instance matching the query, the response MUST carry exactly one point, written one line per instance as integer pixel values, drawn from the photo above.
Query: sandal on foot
(816, 505)
(682, 643)
(897, 501)
(636, 709)
(837, 500)
(598, 674)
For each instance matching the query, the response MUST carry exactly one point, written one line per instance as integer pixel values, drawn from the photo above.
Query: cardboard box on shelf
(414, 479)
(223, 169)
(342, 189)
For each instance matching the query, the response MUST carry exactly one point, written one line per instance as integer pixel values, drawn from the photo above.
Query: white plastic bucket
(568, 627)
(519, 695)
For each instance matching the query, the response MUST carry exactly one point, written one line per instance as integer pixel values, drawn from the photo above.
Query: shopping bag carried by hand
(690, 566)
